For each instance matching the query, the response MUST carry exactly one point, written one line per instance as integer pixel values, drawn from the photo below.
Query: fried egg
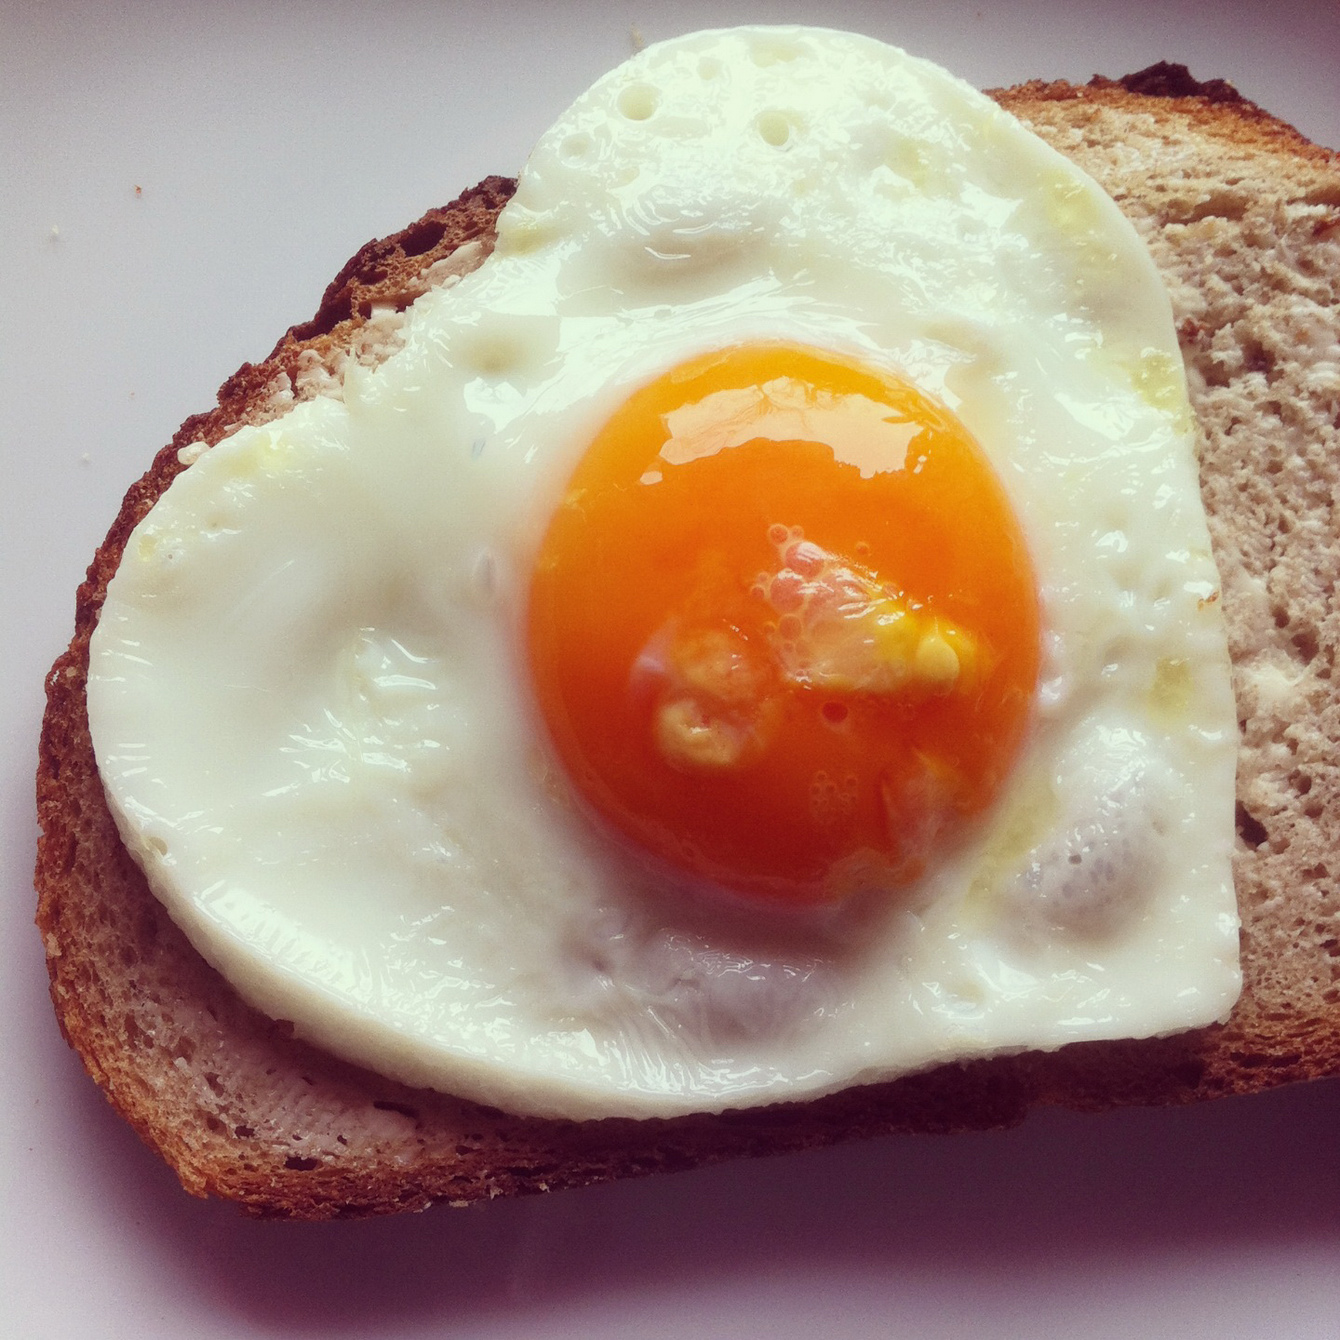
(757, 635)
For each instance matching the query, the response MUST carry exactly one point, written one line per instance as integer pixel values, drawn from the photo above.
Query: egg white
(307, 690)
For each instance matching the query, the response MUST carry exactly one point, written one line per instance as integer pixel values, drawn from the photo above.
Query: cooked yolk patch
(783, 627)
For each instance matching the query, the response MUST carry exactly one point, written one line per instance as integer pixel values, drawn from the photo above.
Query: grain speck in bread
(1243, 217)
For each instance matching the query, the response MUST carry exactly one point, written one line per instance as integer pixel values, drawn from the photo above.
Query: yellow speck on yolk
(783, 628)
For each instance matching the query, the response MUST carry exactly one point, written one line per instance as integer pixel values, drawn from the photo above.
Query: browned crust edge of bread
(1211, 105)
(171, 1044)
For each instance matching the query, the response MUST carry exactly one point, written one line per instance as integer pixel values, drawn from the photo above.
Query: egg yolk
(783, 627)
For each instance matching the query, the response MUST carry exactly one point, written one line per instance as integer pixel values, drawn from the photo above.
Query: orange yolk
(783, 627)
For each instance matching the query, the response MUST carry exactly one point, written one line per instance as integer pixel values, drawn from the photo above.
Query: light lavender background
(269, 142)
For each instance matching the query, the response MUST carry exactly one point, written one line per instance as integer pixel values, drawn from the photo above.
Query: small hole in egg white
(494, 357)
(638, 102)
(158, 845)
(774, 128)
(576, 147)
(709, 67)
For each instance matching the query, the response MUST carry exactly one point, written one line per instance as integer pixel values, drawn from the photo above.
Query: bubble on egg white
(727, 997)
(715, 990)
(1096, 871)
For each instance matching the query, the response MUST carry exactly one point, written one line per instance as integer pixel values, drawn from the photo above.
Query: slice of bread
(1243, 217)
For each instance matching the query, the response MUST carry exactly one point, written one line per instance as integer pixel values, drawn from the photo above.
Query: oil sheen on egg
(757, 635)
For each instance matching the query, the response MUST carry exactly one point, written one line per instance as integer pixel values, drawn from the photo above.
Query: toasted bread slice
(1243, 217)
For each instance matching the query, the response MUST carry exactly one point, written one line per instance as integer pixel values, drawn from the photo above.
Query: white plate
(179, 182)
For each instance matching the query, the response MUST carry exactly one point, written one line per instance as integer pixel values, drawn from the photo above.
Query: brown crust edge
(1214, 106)
(470, 1152)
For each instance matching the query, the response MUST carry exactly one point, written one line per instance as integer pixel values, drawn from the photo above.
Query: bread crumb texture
(1243, 217)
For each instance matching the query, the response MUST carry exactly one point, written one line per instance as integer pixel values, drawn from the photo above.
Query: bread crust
(242, 1110)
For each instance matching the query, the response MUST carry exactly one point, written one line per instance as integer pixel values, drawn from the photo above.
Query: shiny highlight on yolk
(783, 627)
